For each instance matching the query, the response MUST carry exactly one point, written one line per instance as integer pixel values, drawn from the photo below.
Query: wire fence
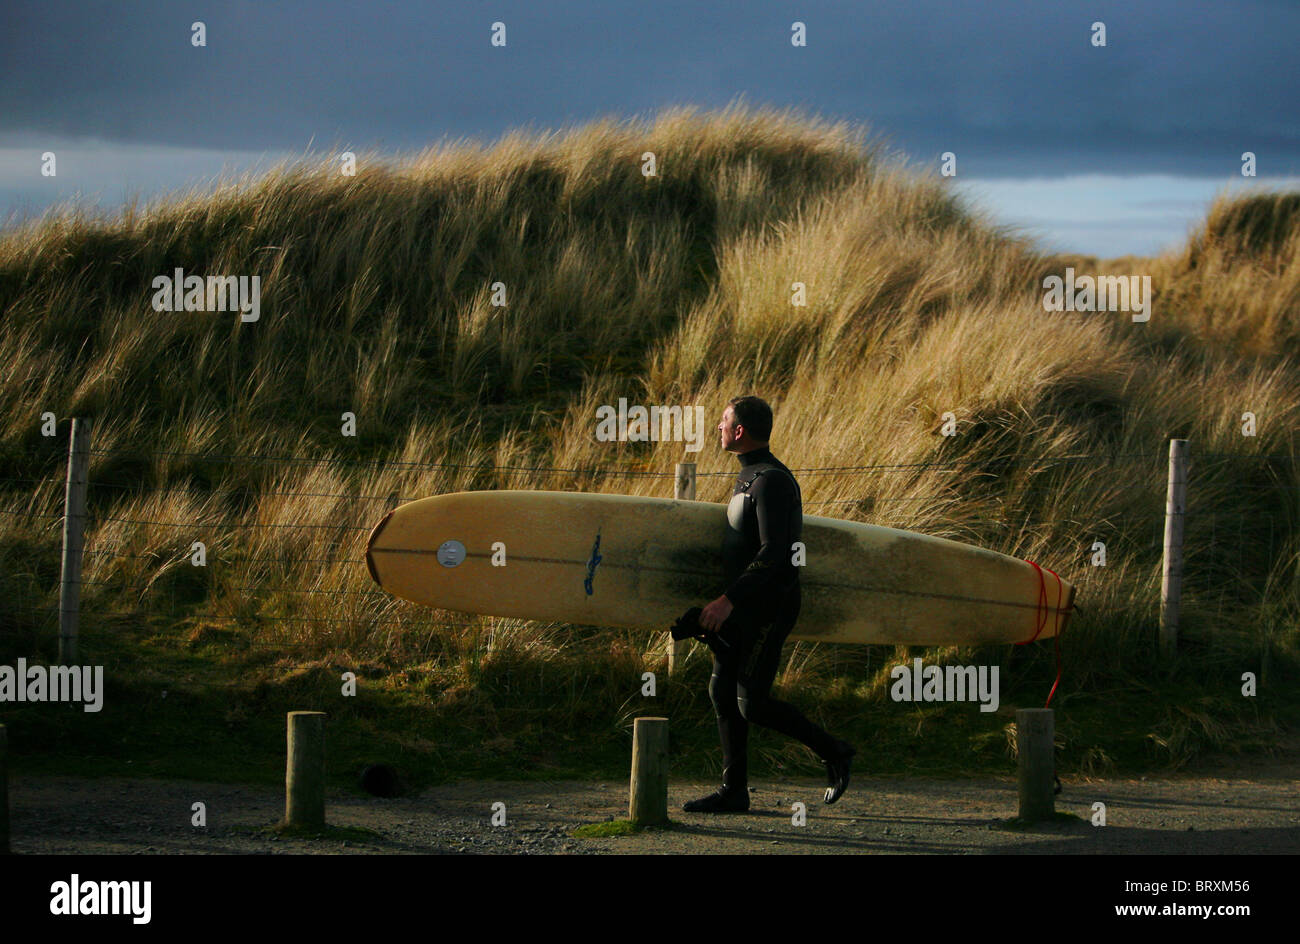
(226, 573)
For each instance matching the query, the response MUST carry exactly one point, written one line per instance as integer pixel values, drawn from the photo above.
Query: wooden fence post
(304, 772)
(74, 518)
(1036, 763)
(1171, 580)
(683, 490)
(648, 803)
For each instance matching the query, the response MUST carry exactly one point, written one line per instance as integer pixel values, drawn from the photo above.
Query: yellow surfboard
(620, 560)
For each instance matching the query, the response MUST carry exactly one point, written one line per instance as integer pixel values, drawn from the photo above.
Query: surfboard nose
(370, 542)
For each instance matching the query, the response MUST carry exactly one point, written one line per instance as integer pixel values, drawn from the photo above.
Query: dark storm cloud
(1011, 87)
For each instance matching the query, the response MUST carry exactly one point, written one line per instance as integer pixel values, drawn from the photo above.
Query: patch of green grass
(340, 833)
(615, 827)
(1059, 818)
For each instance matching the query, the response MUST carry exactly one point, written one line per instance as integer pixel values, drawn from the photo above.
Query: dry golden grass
(673, 289)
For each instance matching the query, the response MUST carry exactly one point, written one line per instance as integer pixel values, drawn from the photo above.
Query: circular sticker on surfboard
(450, 553)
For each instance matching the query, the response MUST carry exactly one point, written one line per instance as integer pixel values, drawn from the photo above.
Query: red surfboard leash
(1042, 623)
(1041, 620)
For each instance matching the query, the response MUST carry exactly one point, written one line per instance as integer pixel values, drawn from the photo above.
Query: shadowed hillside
(376, 300)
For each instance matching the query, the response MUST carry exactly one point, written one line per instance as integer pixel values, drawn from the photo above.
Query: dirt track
(1185, 815)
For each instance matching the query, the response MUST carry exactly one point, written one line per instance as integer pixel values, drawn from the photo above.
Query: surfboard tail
(1067, 610)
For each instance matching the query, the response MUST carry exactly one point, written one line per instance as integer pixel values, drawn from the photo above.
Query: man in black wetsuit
(759, 608)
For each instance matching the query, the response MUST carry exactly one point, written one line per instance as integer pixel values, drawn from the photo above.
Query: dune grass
(670, 289)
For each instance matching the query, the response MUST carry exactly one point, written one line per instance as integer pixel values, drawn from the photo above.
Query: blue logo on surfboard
(593, 563)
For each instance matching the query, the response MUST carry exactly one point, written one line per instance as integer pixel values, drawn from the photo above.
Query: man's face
(727, 429)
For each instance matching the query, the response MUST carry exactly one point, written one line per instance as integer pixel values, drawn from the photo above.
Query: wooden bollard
(4, 791)
(648, 804)
(1036, 768)
(304, 772)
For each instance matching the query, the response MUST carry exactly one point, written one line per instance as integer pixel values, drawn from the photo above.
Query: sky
(1105, 150)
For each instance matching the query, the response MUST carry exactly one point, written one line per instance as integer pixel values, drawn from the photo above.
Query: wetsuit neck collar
(762, 454)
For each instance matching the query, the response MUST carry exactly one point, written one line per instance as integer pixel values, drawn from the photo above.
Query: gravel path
(1202, 814)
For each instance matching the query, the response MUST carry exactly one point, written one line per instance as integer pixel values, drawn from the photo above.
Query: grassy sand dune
(672, 289)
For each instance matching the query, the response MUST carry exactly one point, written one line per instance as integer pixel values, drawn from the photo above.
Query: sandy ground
(1206, 813)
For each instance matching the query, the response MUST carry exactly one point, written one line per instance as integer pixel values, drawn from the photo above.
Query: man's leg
(733, 731)
(759, 662)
